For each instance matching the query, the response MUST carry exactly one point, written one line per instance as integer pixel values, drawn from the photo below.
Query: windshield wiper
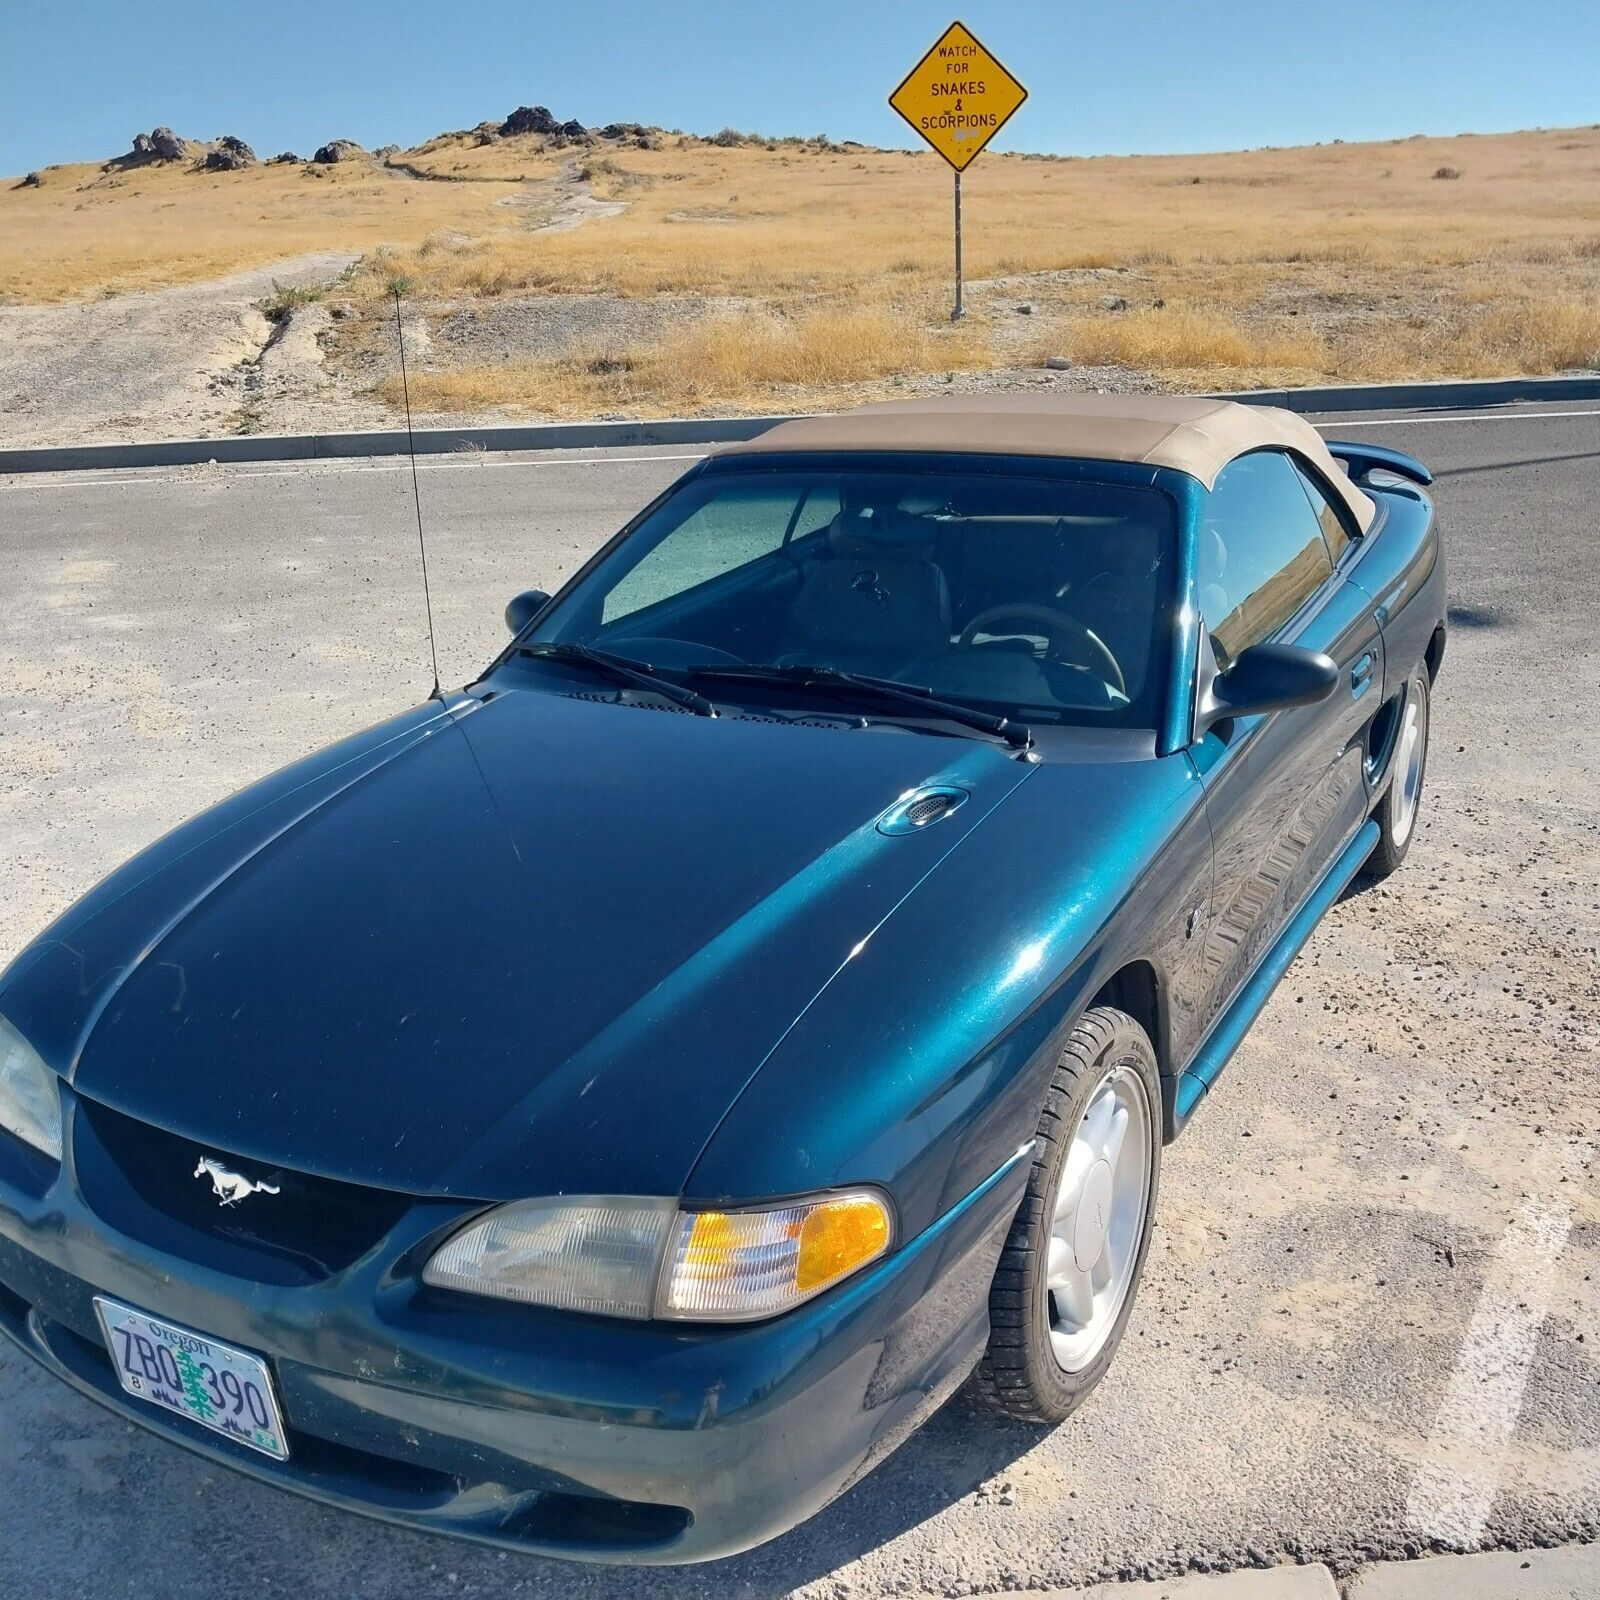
(835, 680)
(622, 669)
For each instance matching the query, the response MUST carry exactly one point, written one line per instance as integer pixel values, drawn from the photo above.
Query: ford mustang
(602, 1111)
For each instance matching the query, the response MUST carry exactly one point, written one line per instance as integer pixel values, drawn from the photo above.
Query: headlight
(627, 1257)
(600, 1254)
(30, 1099)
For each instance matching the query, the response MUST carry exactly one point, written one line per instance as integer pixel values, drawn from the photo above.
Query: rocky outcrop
(632, 133)
(541, 121)
(285, 158)
(336, 150)
(530, 119)
(229, 155)
(160, 144)
(32, 181)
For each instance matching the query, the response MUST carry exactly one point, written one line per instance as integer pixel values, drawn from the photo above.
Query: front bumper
(572, 1436)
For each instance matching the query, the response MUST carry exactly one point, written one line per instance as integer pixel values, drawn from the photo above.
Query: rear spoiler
(1360, 459)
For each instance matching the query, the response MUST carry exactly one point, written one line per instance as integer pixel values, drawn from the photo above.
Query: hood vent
(920, 809)
(612, 698)
(782, 722)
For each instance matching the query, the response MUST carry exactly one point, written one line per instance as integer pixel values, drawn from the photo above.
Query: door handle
(1361, 674)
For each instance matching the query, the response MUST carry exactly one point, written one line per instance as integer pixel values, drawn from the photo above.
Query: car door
(1284, 791)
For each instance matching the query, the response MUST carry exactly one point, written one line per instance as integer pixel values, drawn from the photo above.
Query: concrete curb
(382, 442)
(1570, 1573)
(1567, 1573)
(1254, 1583)
(1445, 396)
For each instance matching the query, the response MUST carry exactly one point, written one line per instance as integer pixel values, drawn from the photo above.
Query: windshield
(1046, 599)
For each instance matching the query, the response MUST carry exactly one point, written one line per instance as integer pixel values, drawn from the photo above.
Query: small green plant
(284, 299)
(399, 287)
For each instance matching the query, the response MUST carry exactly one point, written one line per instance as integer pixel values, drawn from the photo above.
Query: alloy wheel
(1408, 761)
(1099, 1217)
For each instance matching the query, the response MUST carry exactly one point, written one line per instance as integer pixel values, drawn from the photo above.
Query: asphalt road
(1371, 1319)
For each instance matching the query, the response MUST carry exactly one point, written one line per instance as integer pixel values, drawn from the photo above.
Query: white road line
(1420, 422)
(1454, 1489)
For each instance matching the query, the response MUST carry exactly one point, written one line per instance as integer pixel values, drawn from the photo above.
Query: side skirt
(1230, 1028)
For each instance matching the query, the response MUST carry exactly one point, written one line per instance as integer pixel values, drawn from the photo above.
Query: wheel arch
(1433, 656)
(1136, 988)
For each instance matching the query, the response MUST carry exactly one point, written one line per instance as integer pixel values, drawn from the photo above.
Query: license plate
(221, 1388)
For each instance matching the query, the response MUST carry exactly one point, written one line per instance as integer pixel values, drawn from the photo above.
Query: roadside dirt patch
(150, 365)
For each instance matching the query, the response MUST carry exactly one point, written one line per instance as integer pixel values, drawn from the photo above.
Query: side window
(1261, 553)
(735, 528)
(1333, 528)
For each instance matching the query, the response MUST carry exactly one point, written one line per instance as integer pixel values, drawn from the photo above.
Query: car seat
(877, 602)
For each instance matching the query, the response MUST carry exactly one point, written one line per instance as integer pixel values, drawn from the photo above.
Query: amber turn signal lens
(837, 1237)
(732, 1266)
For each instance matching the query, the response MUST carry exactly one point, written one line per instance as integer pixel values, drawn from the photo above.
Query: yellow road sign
(958, 96)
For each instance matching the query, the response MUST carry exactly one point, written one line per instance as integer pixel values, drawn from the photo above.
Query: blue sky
(79, 77)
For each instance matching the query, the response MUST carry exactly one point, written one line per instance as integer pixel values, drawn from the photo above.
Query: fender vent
(920, 809)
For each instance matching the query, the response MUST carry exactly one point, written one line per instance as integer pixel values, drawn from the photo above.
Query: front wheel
(1065, 1285)
(1397, 811)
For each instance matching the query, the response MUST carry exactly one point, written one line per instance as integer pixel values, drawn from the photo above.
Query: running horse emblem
(232, 1187)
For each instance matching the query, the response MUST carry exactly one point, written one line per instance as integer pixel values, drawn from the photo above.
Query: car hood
(527, 944)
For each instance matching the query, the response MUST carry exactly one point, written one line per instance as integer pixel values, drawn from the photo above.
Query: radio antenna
(397, 287)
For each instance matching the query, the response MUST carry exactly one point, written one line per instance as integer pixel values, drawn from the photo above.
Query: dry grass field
(794, 272)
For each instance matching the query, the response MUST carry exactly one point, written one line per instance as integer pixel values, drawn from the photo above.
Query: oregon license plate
(227, 1390)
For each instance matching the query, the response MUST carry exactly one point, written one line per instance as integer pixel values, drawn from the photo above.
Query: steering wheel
(1057, 627)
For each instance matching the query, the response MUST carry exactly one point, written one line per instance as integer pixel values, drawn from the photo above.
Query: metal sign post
(958, 97)
(960, 311)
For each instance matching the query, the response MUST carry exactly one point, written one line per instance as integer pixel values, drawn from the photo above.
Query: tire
(1042, 1359)
(1402, 800)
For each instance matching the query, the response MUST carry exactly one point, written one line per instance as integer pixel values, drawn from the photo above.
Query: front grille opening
(405, 1481)
(71, 1349)
(580, 1519)
(382, 1479)
(144, 1179)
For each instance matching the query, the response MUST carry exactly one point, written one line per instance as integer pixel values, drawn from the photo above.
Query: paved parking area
(1371, 1321)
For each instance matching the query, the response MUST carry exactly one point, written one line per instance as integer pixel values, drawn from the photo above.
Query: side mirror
(524, 608)
(1266, 677)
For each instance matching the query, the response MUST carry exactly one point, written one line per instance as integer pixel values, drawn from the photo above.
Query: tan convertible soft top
(1199, 437)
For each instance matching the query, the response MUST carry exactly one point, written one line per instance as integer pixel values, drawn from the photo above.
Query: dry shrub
(1187, 338)
(724, 357)
(1549, 333)
(731, 354)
